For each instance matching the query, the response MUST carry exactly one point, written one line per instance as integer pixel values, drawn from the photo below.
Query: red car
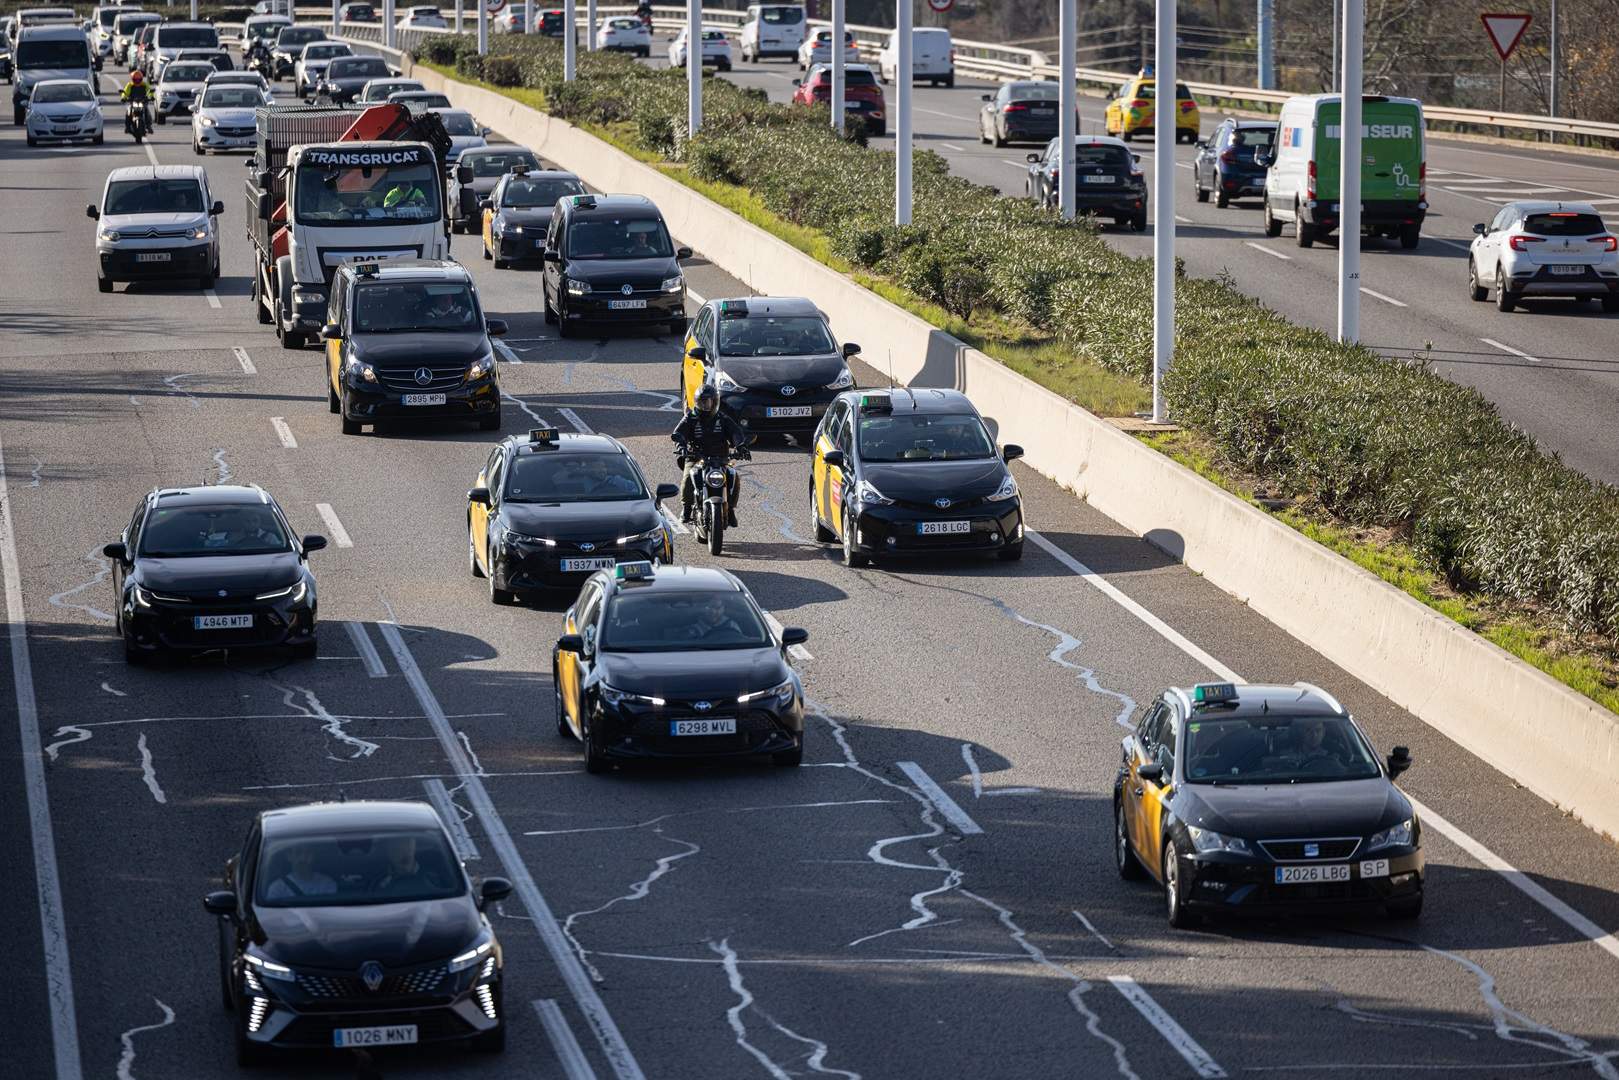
(862, 96)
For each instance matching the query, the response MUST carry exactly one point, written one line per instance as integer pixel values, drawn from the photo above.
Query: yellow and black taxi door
(572, 668)
(1141, 807)
(829, 479)
(692, 369)
(488, 216)
(336, 314)
(478, 513)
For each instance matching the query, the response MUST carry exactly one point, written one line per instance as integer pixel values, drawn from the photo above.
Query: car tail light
(1140, 103)
(1228, 157)
(1016, 106)
(1609, 243)
(1188, 106)
(1521, 243)
(1422, 182)
(1309, 184)
(952, 55)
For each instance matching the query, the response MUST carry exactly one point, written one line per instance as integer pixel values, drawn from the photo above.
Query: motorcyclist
(137, 90)
(643, 11)
(703, 433)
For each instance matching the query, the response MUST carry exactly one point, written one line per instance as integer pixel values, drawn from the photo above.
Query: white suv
(1537, 248)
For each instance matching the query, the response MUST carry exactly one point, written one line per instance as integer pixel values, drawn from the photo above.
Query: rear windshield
(615, 238)
(713, 35)
(357, 67)
(1563, 224)
(521, 193)
(545, 477)
(855, 78)
(780, 335)
(359, 868)
(680, 621)
(923, 437)
(487, 165)
(1101, 155)
(181, 37)
(781, 16)
(381, 91)
(184, 532)
(45, 93)
(184, 73)
(1259, 138)
(1150, 90)
(458, 124)
(53, 54)
(1034, 92)
(325, 50)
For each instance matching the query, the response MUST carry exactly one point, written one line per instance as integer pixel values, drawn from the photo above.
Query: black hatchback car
(346, 76)
(1264, 799)
(1225, 161)
(354, 925)
(212, 568)
(1107, 179)
(609, 258)
(912, 472)
(517, 213)
(1025, 111)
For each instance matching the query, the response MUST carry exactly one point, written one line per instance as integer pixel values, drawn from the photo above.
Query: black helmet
(708, 401)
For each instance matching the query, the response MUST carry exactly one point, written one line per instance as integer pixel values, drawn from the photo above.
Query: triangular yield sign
(1505, 31)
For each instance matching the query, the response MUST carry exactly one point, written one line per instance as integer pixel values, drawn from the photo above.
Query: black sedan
(1020, 112)
(551, 509)
(518, 212)
(1264, 799)
(912, 472)
(1107, 180)
(346, 76)
(675, 661)
(1225, 161)
(212, 568)
(354, 925)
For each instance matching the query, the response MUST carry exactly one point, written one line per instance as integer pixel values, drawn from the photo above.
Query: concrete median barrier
(1553, 741)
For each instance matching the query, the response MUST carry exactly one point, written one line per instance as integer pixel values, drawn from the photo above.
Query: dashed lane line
(506, 353)
(1494, 344)
(1375, 295)
(439, 796)
(283, 432)
(1268, 251)
(952, 811)
(212, 298)
(340, 535)
(241, 356)
(368, 652)
(1183, 1044)
(573, 419)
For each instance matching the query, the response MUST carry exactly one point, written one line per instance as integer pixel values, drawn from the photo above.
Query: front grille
(153, 233)
(236, 132)
(404, 381)
(750, 724)
(943, 513)
(1336, 847)
(352, 989)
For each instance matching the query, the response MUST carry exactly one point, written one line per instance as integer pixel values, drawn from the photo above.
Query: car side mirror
(1152, 771)
(666, 491)
(331, 332)
(1202, 144)
(116, 551)
(1262, 160)
(850, 349)
(479, 495)
(1399, 760)
(486, 204)
(222, 902)
(1033, 159)
(92, 213)
(314, 542)
(463, 173)
(1135, 159)
(793, 635)
(698, 353)
(833, 457)
(798, 82)
(683, 253)
(493, 889)
(552, 255)
(1481, 229)
(986, 97)
(570, 643)
(1011, 452)
(485, 132)
(266, 205)
(497, 327)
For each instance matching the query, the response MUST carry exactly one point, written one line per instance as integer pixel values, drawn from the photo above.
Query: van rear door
(1391, 150)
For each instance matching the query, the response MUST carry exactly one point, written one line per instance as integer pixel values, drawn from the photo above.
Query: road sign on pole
(1505, 31)
(941, 6)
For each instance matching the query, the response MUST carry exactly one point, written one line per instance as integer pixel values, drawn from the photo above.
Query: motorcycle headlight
(844, 380)
(1007, 490)
(578, 288)
(480, 948)
(864, 492)
(1394, 836)
(361, 370)
(781, 694)
(295, 593)
(724, 382)
(1207, 841)
(655, 533)
(207, 121)
(614, 696)
(481, 367)
(716, 478)
(268, 968)
(674, 284)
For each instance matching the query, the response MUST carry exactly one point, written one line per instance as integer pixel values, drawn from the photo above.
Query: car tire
(596, 762)
(1303, 231)
(1139, 223)
(32, 141)
(472, 553)
(334, 404)
(307, 650)
(260, 311)
(98, 140)
(501, 264)
(1505, 300)
(1273, 228)
(1410, 237)
(497, 596)
(487, 257)
(489, 421)
(227, 997)
(1475, 291)
(1406, 910)
(103, 284)
(1125, 136)
(1202, 193)
(1221, 200)
(1174, 903)
(1011, 552)
(135, 657)
(545, 302)
(997, 139)
(162, 118)
(1123, 857)
(207, 280)
(950, 81)
(852, 557)
(196, 148)
(564, 327)
(823, 535)
(789, 759)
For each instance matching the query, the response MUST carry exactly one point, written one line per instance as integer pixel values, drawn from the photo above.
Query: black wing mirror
(116, 551)
(666, 491)
(1481, 229)
(222, 902)
(798, 82)
(1011, 452)
(833, 457)
(486, 204)
(986, 97)
(331, 332)
(850, 349)
(552, 255)
(463, 175)
(92, 213)
(1399, 760)
(1261, 159)
(698, 353)
(570, 643)
(479, 495)
(1151, 771)
(683, 253)
(794, 635)
(497, 327)
(314, 542)
(1032, 159)
(493, 889)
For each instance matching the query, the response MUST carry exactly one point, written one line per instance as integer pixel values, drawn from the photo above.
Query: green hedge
(1375, 442)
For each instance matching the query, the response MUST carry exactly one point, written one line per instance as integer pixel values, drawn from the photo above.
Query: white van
(933, 57)
(772, 30)
(48, 52)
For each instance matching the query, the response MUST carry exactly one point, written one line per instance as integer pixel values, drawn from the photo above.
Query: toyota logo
(587, 547)
(222, 592)
(788, 391)
(371, 975)
(626, 290)
(702, 706)
(942, 504)
(423, 376)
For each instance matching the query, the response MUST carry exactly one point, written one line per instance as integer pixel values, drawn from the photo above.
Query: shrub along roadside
(1371, 443)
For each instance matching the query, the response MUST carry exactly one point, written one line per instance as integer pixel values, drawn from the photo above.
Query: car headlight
(1207, 841)
(674, 284)
(614, 696)
(844, 380)
(655, 533)
(864, 492)
(481, 367)
(111, 234)
(143, 597)
(269, 968)
(1007, 490)
(293, 592)
(364, 371)
(523, 538)
(781, 693)
(200, 233)
(578, 288)
(207, 121)
(724, 382)
(1394, 836)
(480, 948)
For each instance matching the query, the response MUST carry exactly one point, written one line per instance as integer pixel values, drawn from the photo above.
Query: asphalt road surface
(932, 894)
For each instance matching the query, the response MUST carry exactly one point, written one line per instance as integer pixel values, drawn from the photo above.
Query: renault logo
(587, 547)
(942, 504)
(423, 376)
(626, 290)
(702, 706)
(1312, 851)
(371, 975)
(222, 592)
(788, 391)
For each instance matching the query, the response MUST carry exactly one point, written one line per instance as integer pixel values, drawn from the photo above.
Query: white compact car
(1538, 248)
(624, 34)
(241, 78)
(223, 118)
(716, 49)
(422, 18)
(933, 57)
(62, 110)
(817, 49)
(465, 132)
(182, 82)
(381, 89)
(306, 74)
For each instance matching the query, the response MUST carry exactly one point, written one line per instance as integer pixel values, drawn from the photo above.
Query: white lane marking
(612, 1041)
(506, 353)
(952, 811)
(953, 146)
(640, 890)
(48, 883)
(573, 418)
(368, 651)
(126, 1059)
(695, 296)
(674, 522)
(80, 733)
(245, 360)
(1177, 1036)
(1493, 187)
(472, 755)
(1458, 244)
(151, 155)
(1164, 630)
(439, 796)
(539, 421)
(103, 568)
(114, 693)
(1024, 165)
(744, 1002)
(973, 770)
(796, 651)
(222, 469)
(1494, 344)
(936, 112)
(1375, 295)
(148, 772)
(569, 1053)
(1267, 251)
(283, 432)
(1183, 165)
(340, 535)
(1183, 220)
(1097, 934)
(213, 299)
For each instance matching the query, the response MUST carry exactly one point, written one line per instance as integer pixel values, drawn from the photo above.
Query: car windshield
(187, 73)
(781, 16)
(46, 93)
(187, 37)
(912, 436)
(392, 867)
(1562, 223)
(394, 307)
(127, 24)
(106, 16)
(364, 194)
(548, 477)
(681, 621)
(459, 123)
(1101, 155)
(775, 335)
(421, 101)
(184, 532)
(297, 37)
(325, 50)
(713, 35)
(53, 54)
(153, 197)
(381, 91)
(615, 238)
(623, 24)
(358, 67)
(1273, 749)
(530, 193)
(232, 97)
(497, 162)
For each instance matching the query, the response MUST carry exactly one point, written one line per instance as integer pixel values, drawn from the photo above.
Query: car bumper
(529, 568)
(1114, 203)
(126, 264)
(896, 530)
(1030, 130)
(215, 138)
(753, 410)
(593, 307)
(173, 106)
(173, 626)
(1375, 214)
(469, 401)
(1538, 280)
(65, 132)
(1226, 884)
(646, 733)
(1237, 184)
(310, 1024)
(524, 248)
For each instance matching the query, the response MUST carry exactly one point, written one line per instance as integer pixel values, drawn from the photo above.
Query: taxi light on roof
(520, 169)
(1214, 694)
(876, 403)
(584, 202)
(543, 436)
(633, 571)
(366, 269)
(733, 309)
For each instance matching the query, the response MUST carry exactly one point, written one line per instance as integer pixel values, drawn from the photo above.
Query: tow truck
(332, 183)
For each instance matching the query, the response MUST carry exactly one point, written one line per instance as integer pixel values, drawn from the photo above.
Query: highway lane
(740, 919)
(1550, 367)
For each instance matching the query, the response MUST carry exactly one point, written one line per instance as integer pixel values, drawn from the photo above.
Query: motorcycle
(258, 59)
(711, 479)
(137, 120)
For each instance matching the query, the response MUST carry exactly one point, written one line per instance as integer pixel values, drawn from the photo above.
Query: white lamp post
(902, 133)
(1163, 207)
(1349, 159)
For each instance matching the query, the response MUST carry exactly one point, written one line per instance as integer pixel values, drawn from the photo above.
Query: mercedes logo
(423, 376)
(788, 391)
(627, 289)
(587, 547)
(371, 974)
(702, 706)
(942, 504)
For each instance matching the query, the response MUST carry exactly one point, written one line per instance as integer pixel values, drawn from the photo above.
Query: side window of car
(135, 530)
(705, 320)
(587, 616)
(844, 438)
(248, 861)
(1164, 754)
(1147, 730)
(496, 474)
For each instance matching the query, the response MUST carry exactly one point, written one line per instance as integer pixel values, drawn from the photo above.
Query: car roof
(212, 495)
(570, 442)
(502, 148)
(63, 82)
(1099, 140)
(157, 172)
(236, 76)
(51, 32)
(608, 204)
(688, 579)
(1258, 699)
(188, 26)
(1319, 99)
(1548, 206)
(316, 819)
(411, 269)
(773, 305)
(907, 399)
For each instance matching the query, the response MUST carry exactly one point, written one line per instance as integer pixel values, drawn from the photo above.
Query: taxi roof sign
(633, 571)
(370, 268)
(543, 436)
(1207, 694)
(584, 202)
(876, 403)
(733, 309)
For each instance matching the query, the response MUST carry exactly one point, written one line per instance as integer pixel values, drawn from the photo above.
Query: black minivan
(609, 258)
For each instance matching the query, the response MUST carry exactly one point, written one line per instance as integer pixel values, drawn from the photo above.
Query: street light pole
(389, 35)
(590, 25)
(694, 67)
(570, 41)
(839, 117)
(1267, 45)
(1555, 61)
(483, 27)
(460, 14)
(1163, 206)
(902, 136)
(1067, 108)
(1349, 165)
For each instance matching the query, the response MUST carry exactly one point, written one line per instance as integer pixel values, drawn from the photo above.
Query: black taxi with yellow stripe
(1261, 799)
(675, 661)
(912, 472)
(407, 339)
(517, 213)
(549, 509)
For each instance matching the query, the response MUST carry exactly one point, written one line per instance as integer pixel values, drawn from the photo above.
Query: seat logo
(423, 376)
(627, 289)
(371, 975)
(942, 504)
(702, 706)
(788, 391)
(222, 592)
(1312, 851)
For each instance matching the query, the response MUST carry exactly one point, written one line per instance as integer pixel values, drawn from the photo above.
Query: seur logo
(1375, 131)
